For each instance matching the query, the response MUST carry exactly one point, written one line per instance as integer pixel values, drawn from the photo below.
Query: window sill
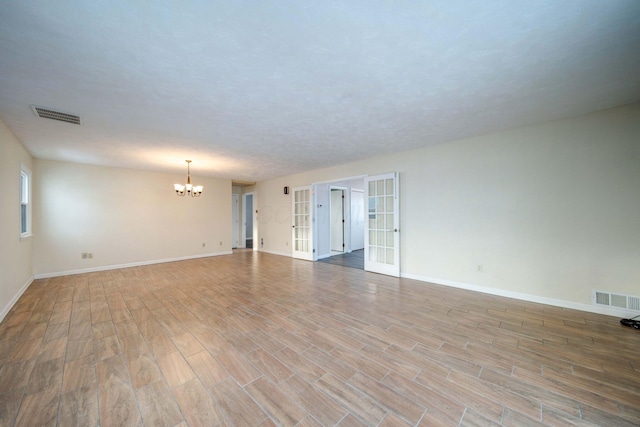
(25, 236)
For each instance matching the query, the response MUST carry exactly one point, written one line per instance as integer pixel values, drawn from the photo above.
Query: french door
(302, 224)
(382, 235)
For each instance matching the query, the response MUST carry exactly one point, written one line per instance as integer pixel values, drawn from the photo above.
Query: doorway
(370, 207)
(247, 220)
(338, 221)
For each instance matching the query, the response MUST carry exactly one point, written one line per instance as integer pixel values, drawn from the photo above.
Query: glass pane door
(302, 229)
(382, 237)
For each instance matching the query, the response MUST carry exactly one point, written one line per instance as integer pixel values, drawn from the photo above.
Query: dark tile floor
(353, 260)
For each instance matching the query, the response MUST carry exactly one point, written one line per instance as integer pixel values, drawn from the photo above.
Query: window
(25, 202)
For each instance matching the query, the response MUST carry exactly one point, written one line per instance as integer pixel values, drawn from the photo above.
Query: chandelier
(191, 190)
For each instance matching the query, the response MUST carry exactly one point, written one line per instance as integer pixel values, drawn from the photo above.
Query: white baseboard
(609, 311)
(15, 299)
(131, 264)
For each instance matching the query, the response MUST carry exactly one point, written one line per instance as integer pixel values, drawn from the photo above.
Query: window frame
(25, 201)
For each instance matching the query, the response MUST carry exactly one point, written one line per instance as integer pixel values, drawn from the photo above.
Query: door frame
(316, 230)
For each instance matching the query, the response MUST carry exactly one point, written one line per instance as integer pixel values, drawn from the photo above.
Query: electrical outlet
(204, 244)
(90, 255)
(84, 255)
(480, 268)
(220, 242)
(286, 243)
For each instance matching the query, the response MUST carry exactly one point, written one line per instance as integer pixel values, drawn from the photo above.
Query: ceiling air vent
(630, 302)
(48, 113)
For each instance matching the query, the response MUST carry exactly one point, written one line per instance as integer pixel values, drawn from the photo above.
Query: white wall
(15, 253)
(551, 211)
(123, 217)
(272, 226)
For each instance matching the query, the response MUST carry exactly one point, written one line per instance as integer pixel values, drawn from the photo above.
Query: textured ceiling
(251, 90)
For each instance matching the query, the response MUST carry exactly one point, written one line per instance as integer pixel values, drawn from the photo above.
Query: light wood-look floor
(257, 339)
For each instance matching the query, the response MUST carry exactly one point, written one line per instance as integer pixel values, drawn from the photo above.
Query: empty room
(341, 213)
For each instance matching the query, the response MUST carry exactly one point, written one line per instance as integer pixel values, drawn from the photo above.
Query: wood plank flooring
(254, 339)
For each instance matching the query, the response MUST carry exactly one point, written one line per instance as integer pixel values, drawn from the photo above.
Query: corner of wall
(15, 299)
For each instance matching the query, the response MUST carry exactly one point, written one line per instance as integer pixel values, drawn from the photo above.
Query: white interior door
(382, 236)
(302, 223)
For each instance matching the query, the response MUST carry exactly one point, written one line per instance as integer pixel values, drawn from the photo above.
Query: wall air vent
(629, 302)
(48, 113)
